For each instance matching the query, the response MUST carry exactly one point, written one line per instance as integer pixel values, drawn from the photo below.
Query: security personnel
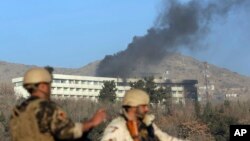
(40, 119)
(135, 124)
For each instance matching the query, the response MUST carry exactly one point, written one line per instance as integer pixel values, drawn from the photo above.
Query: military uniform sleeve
(53, 119)
(162, 136)
(111, 133)
(115, 132)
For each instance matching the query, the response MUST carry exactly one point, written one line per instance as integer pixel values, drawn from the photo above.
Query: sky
(72, 34)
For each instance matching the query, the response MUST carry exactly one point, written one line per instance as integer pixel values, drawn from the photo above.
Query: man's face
(142, 110)
(45, 88)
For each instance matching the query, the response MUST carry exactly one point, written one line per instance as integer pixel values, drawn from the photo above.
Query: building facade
(181, 90)
(72, 86)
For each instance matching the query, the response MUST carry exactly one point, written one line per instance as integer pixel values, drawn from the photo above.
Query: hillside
(11, 70)
(176, 65)
(179, 66)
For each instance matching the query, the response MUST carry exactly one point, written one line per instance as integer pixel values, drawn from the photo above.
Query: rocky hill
(175, 66)
(11, 70)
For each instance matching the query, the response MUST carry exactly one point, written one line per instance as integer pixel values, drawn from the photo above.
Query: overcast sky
(74, 33)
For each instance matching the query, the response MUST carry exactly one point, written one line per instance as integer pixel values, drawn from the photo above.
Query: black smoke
(177, 25)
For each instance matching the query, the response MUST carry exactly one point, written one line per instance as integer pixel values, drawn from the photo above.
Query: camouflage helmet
(135, 97)
(37, 75)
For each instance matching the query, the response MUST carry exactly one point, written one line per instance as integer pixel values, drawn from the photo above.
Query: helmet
(37, 75)
(135, 97)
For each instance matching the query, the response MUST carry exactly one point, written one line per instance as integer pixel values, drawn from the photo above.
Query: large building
(72, 86)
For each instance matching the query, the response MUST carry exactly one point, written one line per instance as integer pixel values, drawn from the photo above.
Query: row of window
(65, 81)
(88, 82)
(73, 96)
(78, 96)
(177, 92)
(79, 89)
(74, 89)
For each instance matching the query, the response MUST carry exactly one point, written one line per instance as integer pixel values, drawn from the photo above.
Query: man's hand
(96, 119)
(99, 117)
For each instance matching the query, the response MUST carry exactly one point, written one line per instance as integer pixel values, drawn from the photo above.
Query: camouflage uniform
(42, 120)
(117, 131)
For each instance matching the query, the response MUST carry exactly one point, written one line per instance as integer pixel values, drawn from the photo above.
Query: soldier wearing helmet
(40, 119)
(134, 123)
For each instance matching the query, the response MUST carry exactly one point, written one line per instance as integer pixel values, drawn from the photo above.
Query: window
(19, 84)
(180, 92)
(174, 92)
(57, 81)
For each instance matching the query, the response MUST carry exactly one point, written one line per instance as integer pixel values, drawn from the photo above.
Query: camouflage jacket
(42, 120)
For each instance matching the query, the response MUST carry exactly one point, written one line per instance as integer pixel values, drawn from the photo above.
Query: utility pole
(165, 75)
(206, 81)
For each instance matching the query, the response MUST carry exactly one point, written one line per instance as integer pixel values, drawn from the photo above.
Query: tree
(156, 94)
(148, 85)
(108, 91)
(163, 96)
(197, 108)
(2, 118)
(49, 69)
(150, 88)
(140, 84)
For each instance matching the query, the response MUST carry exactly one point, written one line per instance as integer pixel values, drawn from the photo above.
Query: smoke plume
(177, 25)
